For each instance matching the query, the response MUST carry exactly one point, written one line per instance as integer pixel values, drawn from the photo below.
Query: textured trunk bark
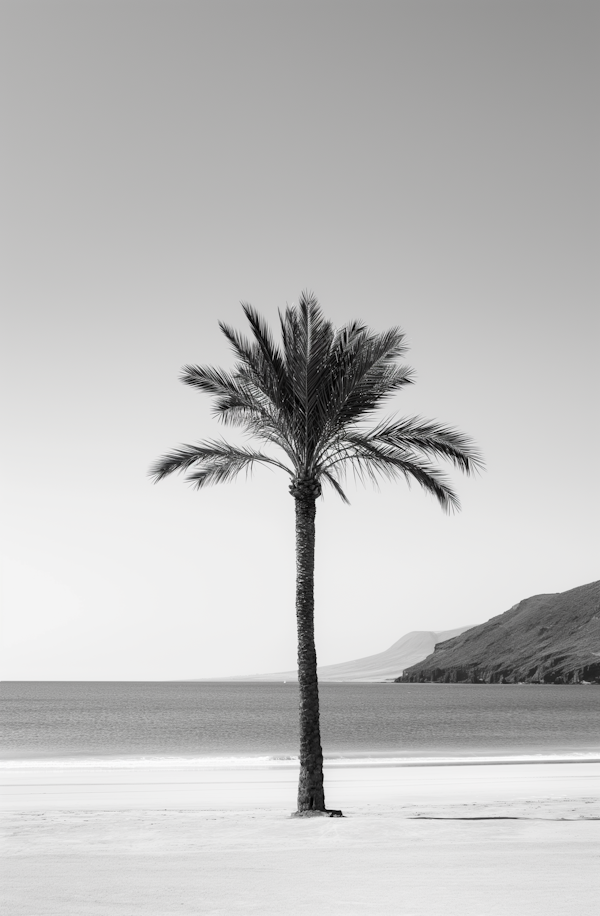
(311, 796)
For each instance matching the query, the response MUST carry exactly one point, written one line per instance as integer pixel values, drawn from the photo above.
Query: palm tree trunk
(311, 796)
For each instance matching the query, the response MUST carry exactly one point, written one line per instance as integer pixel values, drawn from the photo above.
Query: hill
(411, 648)
(551, 639)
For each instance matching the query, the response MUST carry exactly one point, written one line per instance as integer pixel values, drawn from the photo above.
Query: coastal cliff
(546, 639)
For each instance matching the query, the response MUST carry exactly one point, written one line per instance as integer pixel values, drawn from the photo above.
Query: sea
(216, 724)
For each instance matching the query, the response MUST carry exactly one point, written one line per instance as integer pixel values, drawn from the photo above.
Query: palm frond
(239, 344)
(264, 340)
(207, 378)
(229, 388)
(372, 461)
(215, 462)
(431, 439)
(348, 334)
(238, 402)
(329, 477)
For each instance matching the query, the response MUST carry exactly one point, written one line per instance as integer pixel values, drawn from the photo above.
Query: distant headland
(383, 666)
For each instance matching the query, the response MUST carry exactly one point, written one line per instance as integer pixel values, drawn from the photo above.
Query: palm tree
(309, 396)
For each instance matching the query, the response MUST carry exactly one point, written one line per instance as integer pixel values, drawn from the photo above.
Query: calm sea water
(177, 721)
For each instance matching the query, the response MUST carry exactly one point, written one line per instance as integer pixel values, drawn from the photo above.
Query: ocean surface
(231, 724)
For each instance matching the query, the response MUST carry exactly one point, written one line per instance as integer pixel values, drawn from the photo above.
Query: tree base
(327, 812)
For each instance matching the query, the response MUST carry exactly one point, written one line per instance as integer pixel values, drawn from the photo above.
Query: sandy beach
(521, 840)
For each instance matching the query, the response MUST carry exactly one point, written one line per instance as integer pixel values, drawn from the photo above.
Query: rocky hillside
(551, 639)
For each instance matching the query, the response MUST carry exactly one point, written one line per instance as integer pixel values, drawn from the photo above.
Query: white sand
(159, 842)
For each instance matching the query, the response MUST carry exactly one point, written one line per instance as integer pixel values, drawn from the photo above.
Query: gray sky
(431, 165)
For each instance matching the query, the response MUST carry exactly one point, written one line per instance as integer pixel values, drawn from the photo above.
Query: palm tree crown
(311, 396)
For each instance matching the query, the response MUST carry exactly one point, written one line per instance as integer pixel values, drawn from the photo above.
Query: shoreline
(274, 787)
(274, 761)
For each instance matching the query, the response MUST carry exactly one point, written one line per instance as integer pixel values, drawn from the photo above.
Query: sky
(430, 165)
